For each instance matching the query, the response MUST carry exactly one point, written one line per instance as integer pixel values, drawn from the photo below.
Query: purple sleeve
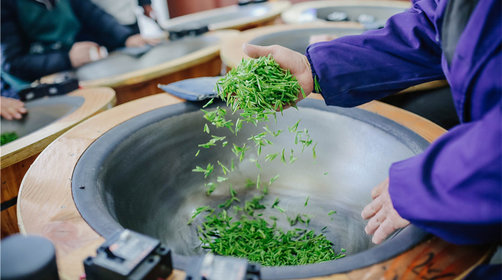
(453, 189)
(356, 69)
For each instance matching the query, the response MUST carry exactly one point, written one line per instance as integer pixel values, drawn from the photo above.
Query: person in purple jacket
(454, 188)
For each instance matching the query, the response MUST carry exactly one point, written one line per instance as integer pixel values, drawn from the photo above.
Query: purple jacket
(454, 188)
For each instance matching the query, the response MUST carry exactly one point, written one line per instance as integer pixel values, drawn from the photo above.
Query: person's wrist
(309, 82)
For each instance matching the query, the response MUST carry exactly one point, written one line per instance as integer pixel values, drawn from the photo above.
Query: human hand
(11, 108)
(383, 218)
(295, 62)
(148, 11)
(136, 40)
(80, 53)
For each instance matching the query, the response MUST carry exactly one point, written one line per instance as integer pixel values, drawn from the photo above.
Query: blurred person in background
(124, 11)
(42, 37)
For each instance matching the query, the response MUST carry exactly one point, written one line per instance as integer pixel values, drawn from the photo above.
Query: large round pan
(154, 149)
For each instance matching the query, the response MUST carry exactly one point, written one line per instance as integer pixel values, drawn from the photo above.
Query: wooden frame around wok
(46, 205)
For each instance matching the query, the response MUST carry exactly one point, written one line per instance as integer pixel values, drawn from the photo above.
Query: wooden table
(17, 156)
(141, 83)
(46, 205)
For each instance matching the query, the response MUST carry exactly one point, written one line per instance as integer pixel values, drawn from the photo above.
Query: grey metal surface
(298, 40)
(361, 14)
(226, 14)
(119, 63)
(138, 176)
(42, 112)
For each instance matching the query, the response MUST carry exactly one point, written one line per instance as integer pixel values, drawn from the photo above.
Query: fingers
(255, 51)
(12, 108)
(374, 223)
(380, 188)
(385, 229)
(383, 218)
(371, 209)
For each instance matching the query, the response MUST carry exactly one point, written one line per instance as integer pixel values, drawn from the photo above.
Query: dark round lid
(28, 257)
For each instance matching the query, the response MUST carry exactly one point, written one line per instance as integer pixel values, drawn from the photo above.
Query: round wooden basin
(150, 188)
(371, 14)
(232, 17)
(46, 119)
(135, 76)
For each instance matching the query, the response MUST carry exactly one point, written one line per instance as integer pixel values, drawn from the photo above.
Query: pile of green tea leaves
(8, 137)
(255, 91)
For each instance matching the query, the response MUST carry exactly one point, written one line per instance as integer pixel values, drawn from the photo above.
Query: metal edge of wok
(86, 191)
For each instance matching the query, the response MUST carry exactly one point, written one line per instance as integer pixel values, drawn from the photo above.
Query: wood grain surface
(46, 205)
(276, 8)
(17, 156)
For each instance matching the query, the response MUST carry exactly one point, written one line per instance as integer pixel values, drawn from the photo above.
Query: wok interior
(42, 112)
(148, 185)
(120, 63)
(298, 40)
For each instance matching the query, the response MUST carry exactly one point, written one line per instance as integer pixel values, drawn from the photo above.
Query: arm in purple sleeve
(356, 69)
(453, 189)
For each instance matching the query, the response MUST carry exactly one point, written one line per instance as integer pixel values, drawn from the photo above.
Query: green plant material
(198, 211)
(307, 201)
(317, 87)
(217, 118)
(258, 86)
(240, 152)
(272, 133)
(314, 155)
(246, 234)
(325, 173)
(331, 212)
(238, 125)
(212, 141)
(197, 153)
(250, 183)
(221, 179)
(292, 157)
(8, 137)
(223, 168)
(283, 157)
(208, 103)
(273, 179)
(276, 202)
(294, 127)
(271, 157)
(207, 171)
(210, 187)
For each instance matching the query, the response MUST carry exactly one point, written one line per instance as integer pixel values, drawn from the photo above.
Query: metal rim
(85, 191)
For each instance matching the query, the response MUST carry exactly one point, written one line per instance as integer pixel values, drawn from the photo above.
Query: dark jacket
(15, 46)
